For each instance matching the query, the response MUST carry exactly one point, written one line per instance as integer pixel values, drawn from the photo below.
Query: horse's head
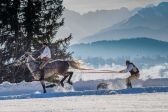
(22, 59)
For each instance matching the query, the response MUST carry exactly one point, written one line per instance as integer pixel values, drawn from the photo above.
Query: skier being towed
(134, 71)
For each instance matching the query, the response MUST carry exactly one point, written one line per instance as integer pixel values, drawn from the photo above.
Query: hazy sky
(84, 6)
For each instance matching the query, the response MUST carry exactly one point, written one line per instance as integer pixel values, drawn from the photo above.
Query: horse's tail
(76, 65)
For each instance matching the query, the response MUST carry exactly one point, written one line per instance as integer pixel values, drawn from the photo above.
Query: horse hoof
(69, 82)
(45, 92)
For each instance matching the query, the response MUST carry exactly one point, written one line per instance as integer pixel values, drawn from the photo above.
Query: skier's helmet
(127, 62)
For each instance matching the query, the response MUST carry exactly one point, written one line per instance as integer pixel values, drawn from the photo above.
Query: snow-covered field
(149, 95)
(155, 102)
(28, 97)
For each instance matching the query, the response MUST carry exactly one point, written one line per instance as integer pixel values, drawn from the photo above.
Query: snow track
(87, 93)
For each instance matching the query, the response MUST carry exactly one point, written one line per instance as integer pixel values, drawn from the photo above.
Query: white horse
(52, 69)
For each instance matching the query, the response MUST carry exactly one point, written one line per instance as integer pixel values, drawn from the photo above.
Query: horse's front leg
(43, 85)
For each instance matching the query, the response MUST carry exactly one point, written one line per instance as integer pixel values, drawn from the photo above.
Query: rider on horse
(44, 57)
(53, 69)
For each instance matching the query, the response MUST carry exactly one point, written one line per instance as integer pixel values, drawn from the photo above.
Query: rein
(101, 71)
(83, 70)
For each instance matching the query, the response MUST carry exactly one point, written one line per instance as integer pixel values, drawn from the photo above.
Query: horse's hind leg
(70, 76)
(43, 85)
(62, 81)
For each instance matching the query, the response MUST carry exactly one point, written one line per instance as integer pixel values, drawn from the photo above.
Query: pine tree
(24, 25)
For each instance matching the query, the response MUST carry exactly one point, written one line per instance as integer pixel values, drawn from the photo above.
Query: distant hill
(148, 22)
(91, 22)
(137, 47)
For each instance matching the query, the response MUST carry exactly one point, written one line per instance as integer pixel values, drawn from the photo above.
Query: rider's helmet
(45, 43)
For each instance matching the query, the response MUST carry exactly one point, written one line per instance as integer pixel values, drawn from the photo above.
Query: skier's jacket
(134, 70)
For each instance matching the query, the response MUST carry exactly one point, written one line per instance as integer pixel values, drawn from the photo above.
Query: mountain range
(88, 24)
(149, 22)
(136, 47)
